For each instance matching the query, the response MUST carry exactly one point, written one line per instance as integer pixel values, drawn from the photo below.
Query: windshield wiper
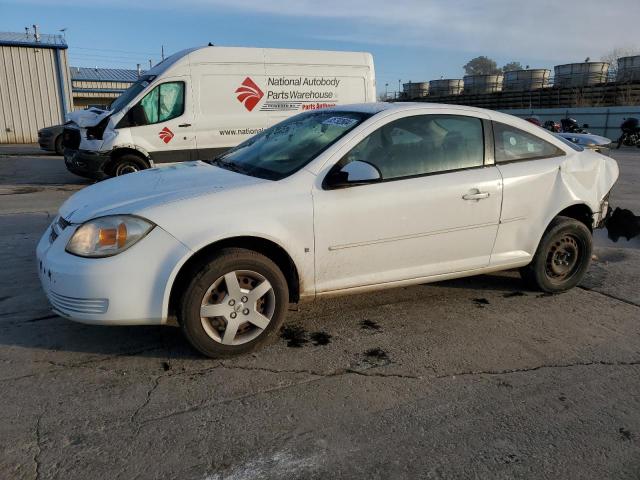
(227, 165)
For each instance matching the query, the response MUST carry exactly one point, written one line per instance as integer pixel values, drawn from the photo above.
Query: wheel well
(119, 152)
(580, 212)
(267, 248)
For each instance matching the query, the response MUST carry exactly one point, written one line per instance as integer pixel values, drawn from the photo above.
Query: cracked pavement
(473, 378)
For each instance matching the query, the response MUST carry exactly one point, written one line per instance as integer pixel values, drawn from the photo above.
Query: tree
(511, 66)
(481, 66)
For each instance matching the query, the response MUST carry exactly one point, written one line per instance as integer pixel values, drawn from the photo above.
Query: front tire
(562, 257)
(127, 163)
(234, 303)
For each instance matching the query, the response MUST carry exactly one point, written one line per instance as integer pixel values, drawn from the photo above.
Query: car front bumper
(126, 289)
(86, 163)
(46, 140)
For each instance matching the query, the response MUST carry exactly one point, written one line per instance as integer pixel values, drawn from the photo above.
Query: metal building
(35, 89)
(98, 87)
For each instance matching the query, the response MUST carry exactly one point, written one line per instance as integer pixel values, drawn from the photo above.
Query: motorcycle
(570, 125)
(552, 126)
(630, 133)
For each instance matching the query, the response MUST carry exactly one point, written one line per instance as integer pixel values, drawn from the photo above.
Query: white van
(201, 101)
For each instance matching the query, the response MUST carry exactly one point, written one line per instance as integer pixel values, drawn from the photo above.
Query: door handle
(475, 194)
(184, 125)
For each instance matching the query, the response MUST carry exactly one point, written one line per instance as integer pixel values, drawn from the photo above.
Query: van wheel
(234, 303)
(128, 163)
(57, 145)
(562, 257)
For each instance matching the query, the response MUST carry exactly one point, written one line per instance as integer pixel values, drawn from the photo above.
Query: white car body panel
(368, 237)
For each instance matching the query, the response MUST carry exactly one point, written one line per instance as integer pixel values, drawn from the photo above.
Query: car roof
(374, 108)
(520, 123)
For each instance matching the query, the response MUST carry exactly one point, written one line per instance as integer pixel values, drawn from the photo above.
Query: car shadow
(49, 332)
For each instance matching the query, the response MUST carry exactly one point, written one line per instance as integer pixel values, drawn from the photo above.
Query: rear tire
(235, 320)
(127, 163)
(562, 257)
(57, 145)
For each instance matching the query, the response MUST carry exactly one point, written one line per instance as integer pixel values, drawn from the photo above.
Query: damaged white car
(333, 201)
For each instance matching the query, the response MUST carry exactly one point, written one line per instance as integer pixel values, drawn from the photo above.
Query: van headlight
(107, 236)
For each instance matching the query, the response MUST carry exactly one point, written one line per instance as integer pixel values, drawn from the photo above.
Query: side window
(164, 102)
(422, 144)
(514, 144)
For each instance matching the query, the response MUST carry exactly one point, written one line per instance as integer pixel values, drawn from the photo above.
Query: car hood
(132, 193)
(88, 118)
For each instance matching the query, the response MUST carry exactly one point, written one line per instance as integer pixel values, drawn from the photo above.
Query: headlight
(107, 236)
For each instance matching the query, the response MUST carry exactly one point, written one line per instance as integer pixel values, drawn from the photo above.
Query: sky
(411, 40)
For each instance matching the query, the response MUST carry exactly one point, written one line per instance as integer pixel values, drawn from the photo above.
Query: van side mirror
(353, 173)
(586, 125)
(137, 116)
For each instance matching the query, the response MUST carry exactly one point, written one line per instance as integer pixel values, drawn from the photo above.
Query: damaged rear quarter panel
(535, 191)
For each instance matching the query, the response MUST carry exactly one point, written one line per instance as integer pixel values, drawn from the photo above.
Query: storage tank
(447, 86)
(415, 89)
(628, 69)
(483, 83)
(519, 80)
(580, 74)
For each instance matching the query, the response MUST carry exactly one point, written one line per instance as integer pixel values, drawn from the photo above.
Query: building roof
(28, 40)
(103, 74)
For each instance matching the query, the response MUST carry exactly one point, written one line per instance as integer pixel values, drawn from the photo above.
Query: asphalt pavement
(472, 378)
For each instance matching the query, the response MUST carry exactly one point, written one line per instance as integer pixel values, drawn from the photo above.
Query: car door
(435, 210)
(165, 128)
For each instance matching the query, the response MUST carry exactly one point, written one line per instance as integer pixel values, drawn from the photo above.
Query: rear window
(513, 144)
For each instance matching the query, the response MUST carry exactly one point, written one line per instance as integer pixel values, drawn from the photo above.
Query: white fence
(603, 121)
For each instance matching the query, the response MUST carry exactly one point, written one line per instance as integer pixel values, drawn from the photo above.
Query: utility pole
(399, 88)
(150, 64)
(162, 51)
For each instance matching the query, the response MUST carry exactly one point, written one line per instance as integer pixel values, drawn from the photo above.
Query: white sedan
(333, 201)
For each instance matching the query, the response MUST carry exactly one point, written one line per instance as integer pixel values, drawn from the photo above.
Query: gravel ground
(473, 378)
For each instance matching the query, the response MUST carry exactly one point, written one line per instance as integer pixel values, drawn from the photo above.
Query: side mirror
(586, 125)
(353, 173)
(136, 116)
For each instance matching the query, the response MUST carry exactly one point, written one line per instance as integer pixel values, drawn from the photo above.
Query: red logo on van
(249, 94)
(165, 135)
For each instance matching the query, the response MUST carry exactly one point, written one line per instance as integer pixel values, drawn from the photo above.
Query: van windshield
(131, 93)
(288, 146)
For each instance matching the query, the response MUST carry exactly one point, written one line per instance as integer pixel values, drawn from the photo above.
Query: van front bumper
(87, 163)
(130, 288)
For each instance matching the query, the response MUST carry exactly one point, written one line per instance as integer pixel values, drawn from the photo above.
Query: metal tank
(483, 83)
(580, 74)
(415, 89)
(447, 86)
(523, 80)
(628, 69)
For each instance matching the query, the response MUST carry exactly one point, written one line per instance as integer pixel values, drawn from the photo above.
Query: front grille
(57, 227)
(74, 305)
(71, 138)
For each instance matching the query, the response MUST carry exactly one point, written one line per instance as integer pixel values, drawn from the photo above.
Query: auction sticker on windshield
(344, 122)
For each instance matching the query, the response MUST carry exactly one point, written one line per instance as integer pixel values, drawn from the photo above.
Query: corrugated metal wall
(603, 121)
(29, 92)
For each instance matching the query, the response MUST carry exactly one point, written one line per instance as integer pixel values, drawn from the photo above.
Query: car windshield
(131, 93)
(288, 146)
